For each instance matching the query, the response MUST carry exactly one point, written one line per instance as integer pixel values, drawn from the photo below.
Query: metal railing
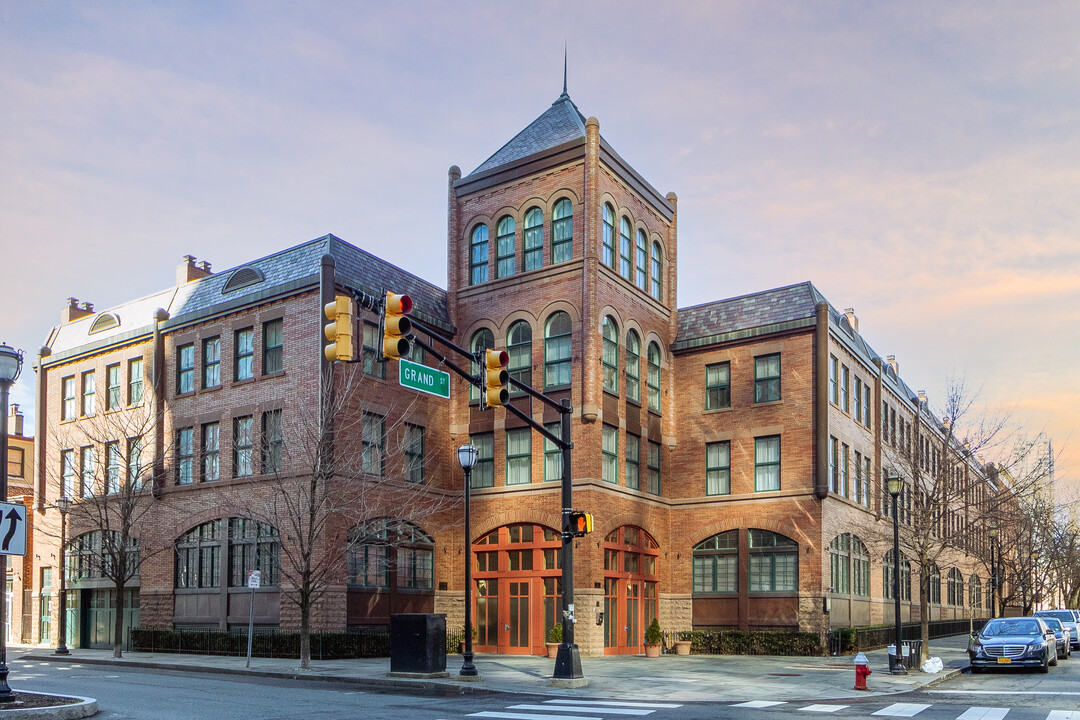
(846, 641)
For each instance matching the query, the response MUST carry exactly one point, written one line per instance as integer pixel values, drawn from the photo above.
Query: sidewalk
(693, 678)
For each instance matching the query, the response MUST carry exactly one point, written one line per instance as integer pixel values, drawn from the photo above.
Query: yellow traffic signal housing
(581, 523)
(342, 314)
(496, 377)
(396, 327)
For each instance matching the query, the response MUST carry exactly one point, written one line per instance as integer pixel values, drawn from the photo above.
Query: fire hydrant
(862, 671)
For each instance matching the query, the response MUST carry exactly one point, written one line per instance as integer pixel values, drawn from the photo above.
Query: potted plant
(554, 639)
(682, 642)
(654, 639)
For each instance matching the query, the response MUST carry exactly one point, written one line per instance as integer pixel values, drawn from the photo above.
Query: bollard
(862, 671)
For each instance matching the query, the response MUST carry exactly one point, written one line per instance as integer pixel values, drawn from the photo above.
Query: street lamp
(11, 361)
(63, 504)
(992, 532)
(896, 484)
(467, 457)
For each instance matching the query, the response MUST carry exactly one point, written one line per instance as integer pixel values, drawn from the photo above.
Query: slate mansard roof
(560, 123)
(285, 272)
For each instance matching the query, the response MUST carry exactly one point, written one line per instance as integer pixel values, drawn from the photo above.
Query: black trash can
(915, 650)
(418, 643)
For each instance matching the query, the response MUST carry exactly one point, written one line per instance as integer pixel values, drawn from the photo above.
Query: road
(130, 693)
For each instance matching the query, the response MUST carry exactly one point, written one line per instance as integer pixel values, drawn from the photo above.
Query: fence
(845, 641)
(363, 643)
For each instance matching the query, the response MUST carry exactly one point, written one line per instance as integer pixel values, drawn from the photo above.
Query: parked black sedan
(1061, 634)
(1068, 619)
(1013, 642)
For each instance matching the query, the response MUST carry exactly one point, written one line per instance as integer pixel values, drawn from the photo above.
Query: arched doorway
(517, 573)
(630, 595)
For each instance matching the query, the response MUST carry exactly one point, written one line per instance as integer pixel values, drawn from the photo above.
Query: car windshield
(1019, 626)
(1053, 623)
(1062, 615)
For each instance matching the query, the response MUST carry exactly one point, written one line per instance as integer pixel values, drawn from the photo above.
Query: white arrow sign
(12, 529)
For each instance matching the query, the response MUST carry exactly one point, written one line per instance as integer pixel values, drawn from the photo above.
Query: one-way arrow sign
(12, 529)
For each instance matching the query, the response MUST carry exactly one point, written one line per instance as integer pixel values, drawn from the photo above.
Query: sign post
(254, 581)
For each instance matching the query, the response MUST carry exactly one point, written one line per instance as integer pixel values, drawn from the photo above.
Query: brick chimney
(73, 312)
(853, 321)
(15, 421)
(188, 270)
(891, 360)
(922, 397)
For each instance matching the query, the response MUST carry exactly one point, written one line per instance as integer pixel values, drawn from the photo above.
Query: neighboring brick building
(19, 612)
(731, 452)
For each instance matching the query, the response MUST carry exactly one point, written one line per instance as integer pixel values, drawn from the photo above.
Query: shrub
(554, 634)
(653, 634)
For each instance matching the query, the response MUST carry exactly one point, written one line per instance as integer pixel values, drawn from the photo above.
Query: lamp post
(1035, 555)
(992, 532)
(11, 361)
(63, 504)
(896, 484)
(467, 457)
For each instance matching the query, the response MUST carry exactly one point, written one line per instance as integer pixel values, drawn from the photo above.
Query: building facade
(732, 453)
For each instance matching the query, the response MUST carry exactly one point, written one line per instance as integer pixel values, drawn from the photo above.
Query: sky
(918, 161)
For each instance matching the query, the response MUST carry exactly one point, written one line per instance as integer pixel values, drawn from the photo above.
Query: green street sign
(421, 377)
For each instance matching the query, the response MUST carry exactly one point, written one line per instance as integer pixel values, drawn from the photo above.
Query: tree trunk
(305, 635)
(118, 623)
(924, 617)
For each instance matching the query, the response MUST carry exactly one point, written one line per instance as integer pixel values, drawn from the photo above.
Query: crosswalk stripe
(582, 708)
(613, 703)
(901, 710)
(983, 713)
(760, 703)
(823, 708)
(1063, 715)
(530, 716)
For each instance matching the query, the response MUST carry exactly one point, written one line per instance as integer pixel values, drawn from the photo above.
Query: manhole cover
(785, 674)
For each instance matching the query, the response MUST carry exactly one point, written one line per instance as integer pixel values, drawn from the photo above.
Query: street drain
(786, 674)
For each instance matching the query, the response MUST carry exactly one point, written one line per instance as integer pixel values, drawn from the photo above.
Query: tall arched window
(955, 587)
(774, 562)
(609, 359)
(505, 252)
(519, 347)
(534, 239)
(716, 564)
(478, 258)
(608, 236)
(933, 584)
(198, 557)
(640, 260)
(657, 267)
(391, 553)
(483, 339)
(557, 347)
(653, 378)
(633, 367)
(253, 546)
(887, 569)
(562, 231)
(849, 565)
(624, 247)
(975, 592)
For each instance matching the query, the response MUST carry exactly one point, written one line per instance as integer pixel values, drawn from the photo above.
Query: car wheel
(1054, 663)
(976, 670)
(1045, 667)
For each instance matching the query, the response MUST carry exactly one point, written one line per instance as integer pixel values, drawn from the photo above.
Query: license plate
(1004, 661)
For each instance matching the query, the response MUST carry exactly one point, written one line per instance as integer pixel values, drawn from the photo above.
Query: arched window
(534, 239)
(653, 378)
(774, 562)
(975, 592)
(557, 347)
(519, 347)
(96, 554)
(483, 339)
(198, 557)
(933, 581)
(608, 236)
(887, 568)
(385, 552)
(657, 267)
(641, 259)
(716, 564)
(850, 566)
(633, 367)
(562, 231)
(478, 258)
(610, 356)
(624, 248)
(505, 253)
(955, 584)
(253, 546)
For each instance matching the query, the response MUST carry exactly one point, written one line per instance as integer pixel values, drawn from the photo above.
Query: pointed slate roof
(747, 315)
(559, 124)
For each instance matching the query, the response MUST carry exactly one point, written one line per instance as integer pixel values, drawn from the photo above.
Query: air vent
(242, 278)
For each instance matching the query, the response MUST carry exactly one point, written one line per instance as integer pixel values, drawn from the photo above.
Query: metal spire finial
(564, 68)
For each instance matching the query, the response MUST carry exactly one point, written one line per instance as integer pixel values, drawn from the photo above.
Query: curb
(83, 709)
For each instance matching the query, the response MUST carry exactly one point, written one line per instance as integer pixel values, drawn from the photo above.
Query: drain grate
(786, 674)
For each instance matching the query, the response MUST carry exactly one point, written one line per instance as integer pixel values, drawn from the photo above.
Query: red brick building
(731, 453)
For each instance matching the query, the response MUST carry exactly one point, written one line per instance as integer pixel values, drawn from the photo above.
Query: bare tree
(949, 492)
(107, 473)
(330, 469)
(1062, 560)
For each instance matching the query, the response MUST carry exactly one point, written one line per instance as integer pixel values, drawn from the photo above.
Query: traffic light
(396, 327)
(339, 331)
(496, 377)
(580, 523)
